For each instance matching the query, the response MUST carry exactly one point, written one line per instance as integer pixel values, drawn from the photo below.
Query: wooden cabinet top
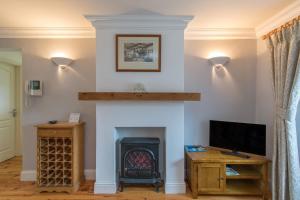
(60, 125)
(215, 155)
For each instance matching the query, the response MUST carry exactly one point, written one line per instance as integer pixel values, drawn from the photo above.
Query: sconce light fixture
(61, 62)
(219, 61)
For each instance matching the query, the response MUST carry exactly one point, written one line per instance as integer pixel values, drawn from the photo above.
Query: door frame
(19, 107)
(18, 101)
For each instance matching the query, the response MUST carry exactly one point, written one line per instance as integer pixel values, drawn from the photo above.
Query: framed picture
(138, 53)
(74, 117)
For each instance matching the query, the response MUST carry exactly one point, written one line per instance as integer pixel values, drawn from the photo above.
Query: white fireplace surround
(113, 114)
(168, 115)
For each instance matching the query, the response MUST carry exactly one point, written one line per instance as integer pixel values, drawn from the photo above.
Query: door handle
(14, 112)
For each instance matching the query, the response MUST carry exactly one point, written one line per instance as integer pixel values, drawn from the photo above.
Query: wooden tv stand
(206, 174)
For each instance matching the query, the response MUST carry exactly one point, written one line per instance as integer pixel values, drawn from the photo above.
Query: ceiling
(69, 13)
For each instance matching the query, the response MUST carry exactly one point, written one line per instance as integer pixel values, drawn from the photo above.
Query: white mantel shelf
(132, 96)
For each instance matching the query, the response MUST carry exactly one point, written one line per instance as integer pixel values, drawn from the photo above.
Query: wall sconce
(61, 62)
(219, 62)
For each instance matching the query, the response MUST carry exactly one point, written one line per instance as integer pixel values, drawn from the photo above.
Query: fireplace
(169, 115)
(140, 161)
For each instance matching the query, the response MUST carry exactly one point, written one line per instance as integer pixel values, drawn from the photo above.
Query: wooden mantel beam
(132, 96)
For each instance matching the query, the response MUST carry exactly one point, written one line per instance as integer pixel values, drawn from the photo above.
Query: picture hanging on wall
(138, 53)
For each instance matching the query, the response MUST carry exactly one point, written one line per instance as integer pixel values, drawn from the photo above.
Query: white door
(7, 111)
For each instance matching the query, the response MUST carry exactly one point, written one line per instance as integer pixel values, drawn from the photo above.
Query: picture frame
(74, 117)
(138, 53)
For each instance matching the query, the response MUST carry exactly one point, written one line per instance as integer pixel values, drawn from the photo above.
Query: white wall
(60, 89)
(264, 93)
(169, 79)
(222, 98)
(226, 95)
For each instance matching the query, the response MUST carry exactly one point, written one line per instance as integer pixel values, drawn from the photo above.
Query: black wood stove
(139, 162)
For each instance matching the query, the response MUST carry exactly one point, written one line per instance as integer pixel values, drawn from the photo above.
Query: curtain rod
(284, 26)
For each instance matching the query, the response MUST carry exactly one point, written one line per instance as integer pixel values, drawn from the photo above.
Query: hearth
(140, 161)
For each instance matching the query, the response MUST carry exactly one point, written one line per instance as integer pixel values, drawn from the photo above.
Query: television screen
(249, 138)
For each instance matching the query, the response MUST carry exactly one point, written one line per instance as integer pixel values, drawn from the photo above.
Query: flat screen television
(243, 137)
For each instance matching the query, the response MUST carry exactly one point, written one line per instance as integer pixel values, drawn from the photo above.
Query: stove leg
(157, 187)
(121, 186)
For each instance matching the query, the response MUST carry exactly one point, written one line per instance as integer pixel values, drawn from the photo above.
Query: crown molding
(196, 33)
(191, 33)
(45, 32)
(138, 17)
(288, 13)
(139, 20)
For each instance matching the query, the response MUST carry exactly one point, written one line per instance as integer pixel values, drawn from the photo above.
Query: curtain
(284, 49)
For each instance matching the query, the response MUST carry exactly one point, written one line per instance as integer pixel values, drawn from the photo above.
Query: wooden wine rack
(59, 157)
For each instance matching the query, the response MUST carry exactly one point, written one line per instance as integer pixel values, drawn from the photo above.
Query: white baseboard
(175, 188)
(105, 188)
(30, 175)
(90, 174)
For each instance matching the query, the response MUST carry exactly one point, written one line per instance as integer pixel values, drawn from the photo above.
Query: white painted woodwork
(280, 18)
(113, 115)
(7, 105)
